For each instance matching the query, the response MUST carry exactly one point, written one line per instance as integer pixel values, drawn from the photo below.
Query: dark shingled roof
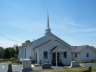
(56, 47)
(93, 48)
(53, 48)
(80, 48)
(42, 44)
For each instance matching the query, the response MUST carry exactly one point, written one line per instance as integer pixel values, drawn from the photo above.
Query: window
(45, 54)
(75, 55)
(87, 54)
(65, 54)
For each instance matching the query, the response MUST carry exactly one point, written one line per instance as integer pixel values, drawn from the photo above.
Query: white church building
(47, 49)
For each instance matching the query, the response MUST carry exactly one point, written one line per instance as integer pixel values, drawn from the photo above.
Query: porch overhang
(58, 49)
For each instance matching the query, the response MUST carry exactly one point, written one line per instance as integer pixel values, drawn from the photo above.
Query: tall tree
(6, 53)
(12, 52)
(1, 51)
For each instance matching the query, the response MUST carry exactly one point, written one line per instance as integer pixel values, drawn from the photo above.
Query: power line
(9, 38)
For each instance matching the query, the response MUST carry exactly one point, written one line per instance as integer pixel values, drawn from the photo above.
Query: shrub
(12, 61)
(20, 62)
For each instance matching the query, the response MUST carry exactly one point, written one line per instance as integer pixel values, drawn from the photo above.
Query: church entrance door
(54, 57)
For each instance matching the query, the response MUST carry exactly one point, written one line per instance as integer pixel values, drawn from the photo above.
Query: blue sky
(74, 21)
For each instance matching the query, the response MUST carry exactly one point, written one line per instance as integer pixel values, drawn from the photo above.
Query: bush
(17, 61)
(12, 61)
(20, 62)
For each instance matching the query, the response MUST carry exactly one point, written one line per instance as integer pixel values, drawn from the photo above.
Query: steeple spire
(47, 20)
(48, 30)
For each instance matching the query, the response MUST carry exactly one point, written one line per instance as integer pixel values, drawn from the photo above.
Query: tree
(15, 55)
(23, 44)
(16, 49)
(27, 41)
(6, 53)
(1, 52)
(12, 52)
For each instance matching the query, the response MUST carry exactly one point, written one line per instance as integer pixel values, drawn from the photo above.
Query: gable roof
(33, 41)
(66, 44)
(80, 48)
(61, 40)
(93, 48)
(42, 44)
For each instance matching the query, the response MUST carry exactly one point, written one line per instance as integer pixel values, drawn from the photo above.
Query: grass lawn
(15, 63)
(10, 62)
(75, 69)
(86, 62)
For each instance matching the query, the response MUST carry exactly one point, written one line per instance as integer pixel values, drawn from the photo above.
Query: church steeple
(47, 21)
(48, 30)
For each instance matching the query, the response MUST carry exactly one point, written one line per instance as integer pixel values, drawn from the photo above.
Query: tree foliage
(1, 52)
(23, 44)
(12, 52)
(27, 41)
(6, 53)
(15, 55)
(16, 49)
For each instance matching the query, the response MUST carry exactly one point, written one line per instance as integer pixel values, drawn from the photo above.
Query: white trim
(48, 44)
(66, 44)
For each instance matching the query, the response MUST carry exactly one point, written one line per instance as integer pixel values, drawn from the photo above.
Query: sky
(73, 21)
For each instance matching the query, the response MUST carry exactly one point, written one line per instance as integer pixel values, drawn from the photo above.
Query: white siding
(49, 47)
(84, 58)
(76, 58)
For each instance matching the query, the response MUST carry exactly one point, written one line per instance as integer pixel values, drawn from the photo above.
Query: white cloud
(71, 22)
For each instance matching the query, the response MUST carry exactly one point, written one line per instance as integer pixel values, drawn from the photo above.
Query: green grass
(86, 62)
(15, 63)
(10, 62)
(75, 69)
(6, 62)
